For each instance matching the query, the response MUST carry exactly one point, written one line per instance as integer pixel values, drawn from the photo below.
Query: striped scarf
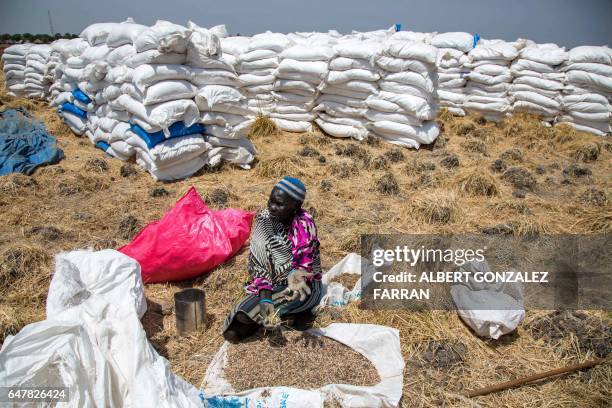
(276, 250)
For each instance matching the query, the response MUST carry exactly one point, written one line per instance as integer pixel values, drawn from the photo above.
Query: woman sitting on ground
(284, 264)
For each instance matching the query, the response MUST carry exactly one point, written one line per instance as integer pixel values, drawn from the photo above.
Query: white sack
(163, 36)
(337, 130)
(124, 33)
(109, 274)
(504, 302)
(168, 90)
(412, 50)
(457, 40)
(424, 134)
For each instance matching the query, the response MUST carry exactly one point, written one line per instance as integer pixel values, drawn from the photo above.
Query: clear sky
(565, 22)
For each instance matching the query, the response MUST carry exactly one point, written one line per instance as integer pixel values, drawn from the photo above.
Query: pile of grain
(348, 280)
(296, 359)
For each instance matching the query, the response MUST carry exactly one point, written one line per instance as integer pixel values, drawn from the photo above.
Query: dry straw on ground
(434, 207)
(477, 182)
(88, 207)
(296, 359)
(263, 127)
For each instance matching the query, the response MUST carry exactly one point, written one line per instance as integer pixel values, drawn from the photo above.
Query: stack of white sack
(452, 74)
(232, 48)
(63, 83)
(146, 107)
(587, 96)
(537, 84)
(351, 79)
(13, 66)
(223, 106)
(402, 112)
(301, 71)
(78, 77)
(256, 65)
(72, 109)
(490, 78)
(38, 72)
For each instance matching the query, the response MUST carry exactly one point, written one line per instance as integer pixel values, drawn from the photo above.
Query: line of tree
(28, 37)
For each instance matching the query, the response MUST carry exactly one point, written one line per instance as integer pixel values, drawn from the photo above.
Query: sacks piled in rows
(66, 54)
(148, 86)
(257, 61)
(490, 78)
(133, 94)
(195, 92)
(537, 84)
(14, 65)
(301, 71)
(223, 106)
(352, 78)
(61, 51)
(402, 112)
(587, 97)
(38, 72)
(452, 73)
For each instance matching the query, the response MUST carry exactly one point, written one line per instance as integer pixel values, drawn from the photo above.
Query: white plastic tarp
(94, 345)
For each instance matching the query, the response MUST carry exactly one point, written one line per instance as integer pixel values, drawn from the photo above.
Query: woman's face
(281, 206)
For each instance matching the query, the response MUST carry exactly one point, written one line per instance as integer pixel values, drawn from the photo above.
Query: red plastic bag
(189, 240)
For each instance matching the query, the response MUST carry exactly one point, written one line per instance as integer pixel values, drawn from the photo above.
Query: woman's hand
(266, 306)
(266, 310)
(297, 285)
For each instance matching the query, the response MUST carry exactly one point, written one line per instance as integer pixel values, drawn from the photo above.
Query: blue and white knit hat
(292, 186)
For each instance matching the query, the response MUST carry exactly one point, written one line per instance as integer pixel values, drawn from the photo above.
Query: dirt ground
(517, 176)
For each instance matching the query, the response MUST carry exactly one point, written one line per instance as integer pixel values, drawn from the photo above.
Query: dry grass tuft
(395, 155)
(475, 146)
(97, 165)
(585, 152)
(16, 183)
(379, 163)
(445, 116)
(519, 177)
(464, 126)
(417, 166)
(218, 196)
(512, 155)
(594, 196)
(527, 226)
(595, 221)
(263, 127)
(434, 207)
(564, 133)
(29, 104)
(11, 321)
(19, 260)
(517, 207)
(351, 150)
(129, 227)
(279, 166)
(450, 161)
(81, 183)
(344, 170)
(387, 184)
(476, 182)
(308, 151)
(24, 281)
